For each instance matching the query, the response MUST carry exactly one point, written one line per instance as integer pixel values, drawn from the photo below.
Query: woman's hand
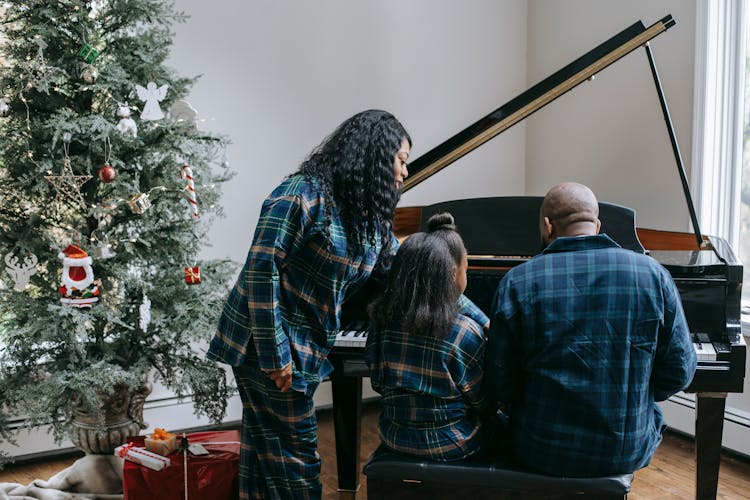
(282, 377)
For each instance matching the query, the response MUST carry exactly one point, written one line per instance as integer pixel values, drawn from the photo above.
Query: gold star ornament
(68, 185)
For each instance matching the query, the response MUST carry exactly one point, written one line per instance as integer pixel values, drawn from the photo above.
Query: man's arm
(675, 362)
(502, 358)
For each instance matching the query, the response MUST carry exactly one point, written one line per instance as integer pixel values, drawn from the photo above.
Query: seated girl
(425, 352)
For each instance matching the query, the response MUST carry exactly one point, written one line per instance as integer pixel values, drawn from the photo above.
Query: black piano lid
(720, 260)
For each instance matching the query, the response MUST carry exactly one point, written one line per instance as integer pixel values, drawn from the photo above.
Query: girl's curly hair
(354, 167)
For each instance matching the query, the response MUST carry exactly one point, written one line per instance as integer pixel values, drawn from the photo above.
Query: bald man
(584, 338)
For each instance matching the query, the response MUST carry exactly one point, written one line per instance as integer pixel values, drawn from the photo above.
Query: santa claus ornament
(78, 288)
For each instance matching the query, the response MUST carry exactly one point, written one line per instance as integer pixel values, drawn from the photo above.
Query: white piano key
(351, 338)
(705, 351)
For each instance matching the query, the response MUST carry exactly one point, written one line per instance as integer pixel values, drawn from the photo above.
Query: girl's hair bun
(442, 220)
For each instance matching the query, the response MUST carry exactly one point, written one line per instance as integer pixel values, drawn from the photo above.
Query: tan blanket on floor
(90, 477)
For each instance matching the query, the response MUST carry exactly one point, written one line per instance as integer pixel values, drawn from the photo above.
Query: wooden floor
(670, 475)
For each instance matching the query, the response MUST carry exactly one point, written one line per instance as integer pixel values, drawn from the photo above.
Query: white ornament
(102, 248)
(20, 273)
(89, 73)
(152, 95)
(126, 125)
(4, 107)
(145, 312)
(182, 111)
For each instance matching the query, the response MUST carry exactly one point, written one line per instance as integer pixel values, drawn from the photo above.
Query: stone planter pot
(123, 417)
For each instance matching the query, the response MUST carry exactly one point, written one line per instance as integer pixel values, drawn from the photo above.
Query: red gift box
(192, 275)
(209, 477)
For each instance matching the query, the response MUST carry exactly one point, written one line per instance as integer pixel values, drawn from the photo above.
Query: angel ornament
(152, 95)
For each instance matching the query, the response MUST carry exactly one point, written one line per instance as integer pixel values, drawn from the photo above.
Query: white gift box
(142, 456)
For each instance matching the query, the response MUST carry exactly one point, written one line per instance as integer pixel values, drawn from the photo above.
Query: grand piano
(707, 273)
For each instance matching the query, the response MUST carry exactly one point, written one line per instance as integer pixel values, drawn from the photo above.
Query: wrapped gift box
(209, 477)
(140, 456)
(161, 442)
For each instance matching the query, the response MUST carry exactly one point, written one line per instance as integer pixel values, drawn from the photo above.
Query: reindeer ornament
(20, 273)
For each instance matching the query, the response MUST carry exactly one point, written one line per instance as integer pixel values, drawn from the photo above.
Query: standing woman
(426, 348)
(321, 234)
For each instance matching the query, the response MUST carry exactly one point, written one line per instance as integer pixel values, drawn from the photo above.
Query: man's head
(568, 209)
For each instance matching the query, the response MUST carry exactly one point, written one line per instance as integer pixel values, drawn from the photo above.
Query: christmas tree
(107, 189)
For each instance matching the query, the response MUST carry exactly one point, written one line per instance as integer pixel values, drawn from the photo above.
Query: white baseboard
(679, 412)
(162, 409)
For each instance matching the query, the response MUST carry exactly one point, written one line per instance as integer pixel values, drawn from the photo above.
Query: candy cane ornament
(187, 173)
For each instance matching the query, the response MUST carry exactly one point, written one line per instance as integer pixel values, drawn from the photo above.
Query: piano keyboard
(351, 338)
(702, 344)
(704, 349)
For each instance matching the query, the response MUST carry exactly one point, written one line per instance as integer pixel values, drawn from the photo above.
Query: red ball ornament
(107, 173)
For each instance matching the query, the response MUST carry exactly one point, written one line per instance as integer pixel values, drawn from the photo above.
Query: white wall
(610, 133)
(280, 75)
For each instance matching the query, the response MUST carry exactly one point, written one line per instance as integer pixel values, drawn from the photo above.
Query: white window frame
(718, 116)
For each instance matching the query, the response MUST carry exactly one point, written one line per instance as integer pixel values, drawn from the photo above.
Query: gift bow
(123, 450)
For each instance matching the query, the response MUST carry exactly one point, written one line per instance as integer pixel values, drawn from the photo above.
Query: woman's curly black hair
(421, 293)
(354, 167)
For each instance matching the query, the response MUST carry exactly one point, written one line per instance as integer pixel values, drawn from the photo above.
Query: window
(718, 183)
(744, 229)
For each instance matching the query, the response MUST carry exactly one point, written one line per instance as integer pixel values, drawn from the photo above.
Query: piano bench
(392, 476)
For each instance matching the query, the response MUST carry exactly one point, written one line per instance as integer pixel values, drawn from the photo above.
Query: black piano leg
(709, 426)
(347, 415)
